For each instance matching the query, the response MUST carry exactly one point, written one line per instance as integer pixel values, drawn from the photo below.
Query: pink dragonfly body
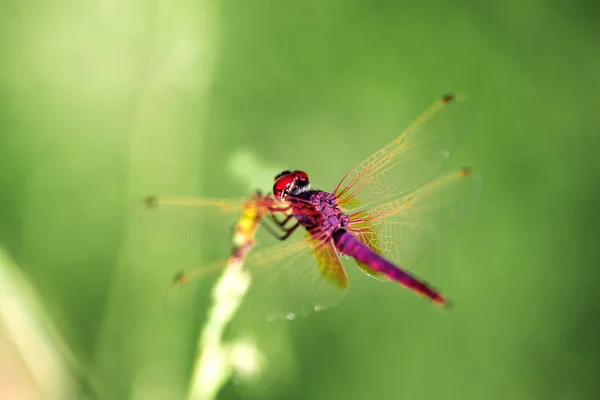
(333, 231)
(380, 214)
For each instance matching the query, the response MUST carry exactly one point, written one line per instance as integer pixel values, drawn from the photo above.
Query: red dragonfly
(379, 215)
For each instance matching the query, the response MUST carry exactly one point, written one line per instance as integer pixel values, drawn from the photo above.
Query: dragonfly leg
(290, 231)
(279, 222)
(286, 231)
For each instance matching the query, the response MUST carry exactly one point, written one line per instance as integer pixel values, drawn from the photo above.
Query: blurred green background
(104, 102)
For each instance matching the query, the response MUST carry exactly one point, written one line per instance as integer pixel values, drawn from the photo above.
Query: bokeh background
(103, 102)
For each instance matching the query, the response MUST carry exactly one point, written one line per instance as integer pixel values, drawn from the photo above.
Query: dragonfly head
(289, 182)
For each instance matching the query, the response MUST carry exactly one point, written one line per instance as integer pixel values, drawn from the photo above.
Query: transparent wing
(410, 160)
(288, 280)
(294, 285)
(227, 206)
(364, 230)
(402, 229)
(185, 231)
(198, 230)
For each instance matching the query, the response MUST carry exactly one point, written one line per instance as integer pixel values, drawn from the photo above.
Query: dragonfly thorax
(323, 212)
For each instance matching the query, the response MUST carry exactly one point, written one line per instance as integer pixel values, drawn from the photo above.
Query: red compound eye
(282, 182)
(287, 180)
(300, 175)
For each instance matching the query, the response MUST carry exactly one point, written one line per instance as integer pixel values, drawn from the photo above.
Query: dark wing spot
(447, 98)
(180, 277)
(465, 171)
(151, 201)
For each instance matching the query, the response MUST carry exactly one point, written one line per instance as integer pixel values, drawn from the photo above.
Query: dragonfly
(383, 214)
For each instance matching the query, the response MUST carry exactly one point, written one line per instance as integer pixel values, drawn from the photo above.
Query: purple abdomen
(348, 244)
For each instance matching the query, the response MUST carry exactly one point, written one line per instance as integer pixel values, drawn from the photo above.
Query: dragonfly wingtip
(151, 201)
(448, 98)
(466, 171)
(179, 278)
(453, 98)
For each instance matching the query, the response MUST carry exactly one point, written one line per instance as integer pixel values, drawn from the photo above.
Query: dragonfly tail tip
(447, 304)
